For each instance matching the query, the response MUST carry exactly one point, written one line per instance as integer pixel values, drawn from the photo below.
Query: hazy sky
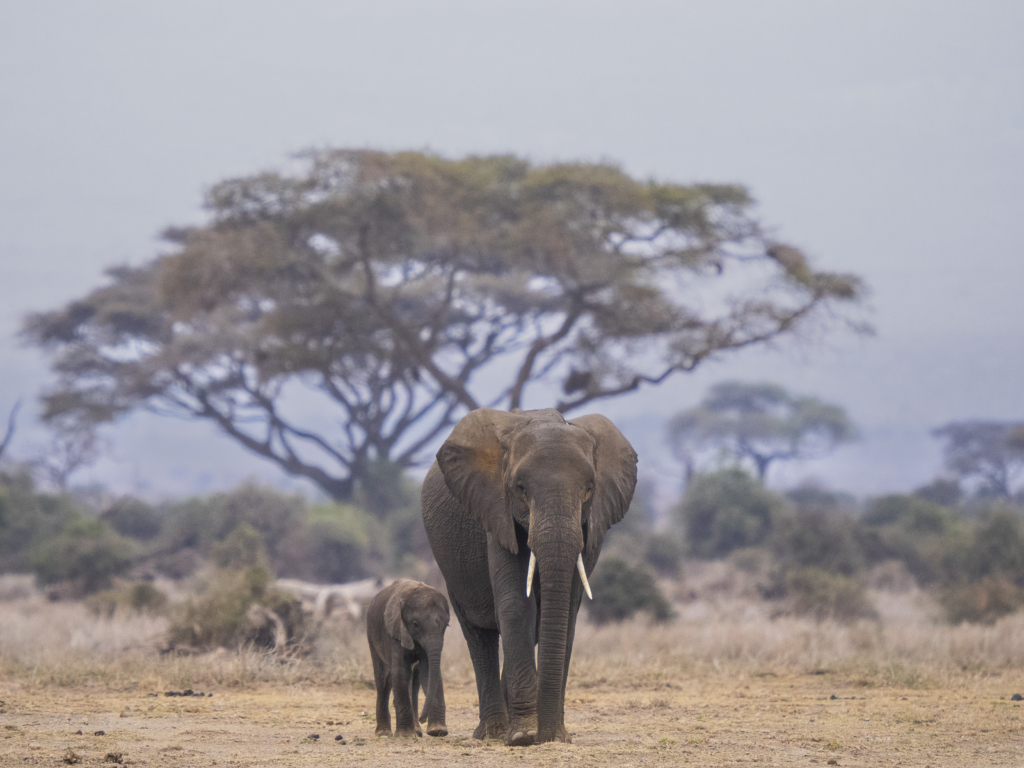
(884, 138)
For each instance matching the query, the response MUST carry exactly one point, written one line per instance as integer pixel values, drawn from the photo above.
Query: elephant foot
(522, 731)
(521, 738)
(494, 727)
(437, 729)
(383, 733)
(560, 734)
(408, 733)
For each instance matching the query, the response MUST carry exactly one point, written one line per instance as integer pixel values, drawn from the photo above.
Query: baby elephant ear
(615, 465)
(471, 462)
(393, 620)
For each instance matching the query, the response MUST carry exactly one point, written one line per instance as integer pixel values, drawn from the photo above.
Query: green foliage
(28, 518)
(86, 552)
(217, 616)
(133, 518)
(202, 521)
(621, 590)
(983, 601)
(822, 595)
(339, 543)
(142, 597)
(726, 510)
(383, 283)
(664, 554)
(243, 548)
(818, 532)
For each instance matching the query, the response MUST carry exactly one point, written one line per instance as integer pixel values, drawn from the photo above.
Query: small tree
(991, 452)
(759, 423)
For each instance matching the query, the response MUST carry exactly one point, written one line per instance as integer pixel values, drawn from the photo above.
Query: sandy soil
(707, 720)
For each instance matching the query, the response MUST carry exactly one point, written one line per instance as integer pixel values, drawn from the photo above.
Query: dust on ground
(785, 719)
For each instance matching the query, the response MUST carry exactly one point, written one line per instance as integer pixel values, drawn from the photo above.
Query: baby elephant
(405, 625)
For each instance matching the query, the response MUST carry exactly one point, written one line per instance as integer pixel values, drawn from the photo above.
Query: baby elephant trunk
(433, 679)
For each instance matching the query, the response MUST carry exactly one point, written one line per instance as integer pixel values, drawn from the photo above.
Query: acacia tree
(989, 451)
(759, 423)
(404, 289)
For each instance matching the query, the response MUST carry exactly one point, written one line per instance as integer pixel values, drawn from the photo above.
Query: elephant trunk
(433, 679)
(556, 552)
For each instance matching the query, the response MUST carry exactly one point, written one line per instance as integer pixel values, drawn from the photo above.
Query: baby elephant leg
(382, 681)
(401, 685)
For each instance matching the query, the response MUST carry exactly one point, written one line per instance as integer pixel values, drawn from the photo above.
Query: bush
(911, 513)
(138, 598)
(665, 554)
(727, 510)
(621, 590)
(815, 592)
(27, 519)
(243, 548)
(217, 616)
(983, 601)
(339, 543)
(817, 538)
(133, 518)
(86, 553)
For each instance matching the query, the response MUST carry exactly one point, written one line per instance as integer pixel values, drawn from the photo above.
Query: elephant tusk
(583, 576)
(529, 573)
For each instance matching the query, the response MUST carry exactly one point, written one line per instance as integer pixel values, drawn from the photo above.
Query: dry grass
(718, 634)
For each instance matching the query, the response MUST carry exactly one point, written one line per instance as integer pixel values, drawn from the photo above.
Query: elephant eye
(521, 488)
(416, 625)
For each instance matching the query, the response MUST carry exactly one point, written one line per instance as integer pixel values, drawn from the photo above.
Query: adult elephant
(516, 508)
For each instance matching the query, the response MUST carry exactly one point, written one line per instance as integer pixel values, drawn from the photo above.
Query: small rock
(314, 736)
(172, 693)
(188, 692)
(78, 732)
(71, 757)
(329, 722)
(114, 757)
(833, 697)
(1017, 697)
(832, 761)
(340, 738)
(99, 733)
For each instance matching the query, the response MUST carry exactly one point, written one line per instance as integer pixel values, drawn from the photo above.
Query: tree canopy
(400, 290)
(759, 423)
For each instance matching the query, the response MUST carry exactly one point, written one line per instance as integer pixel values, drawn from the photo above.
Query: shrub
(726, 510)
(983, 601)
(133, 518)
(243, 548)
(86, 553)
(621, 590)
(815, 592)
(911, 513)
(217, 616)
(339, 543)
(142, 597)
(818, 538)
(27, 519)
(665, 554)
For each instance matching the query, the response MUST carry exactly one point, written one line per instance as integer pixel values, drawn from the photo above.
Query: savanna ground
(722, 684)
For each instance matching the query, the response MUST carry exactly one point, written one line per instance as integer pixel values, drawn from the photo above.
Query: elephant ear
(393, 622)
(615, 465)
(471, 461)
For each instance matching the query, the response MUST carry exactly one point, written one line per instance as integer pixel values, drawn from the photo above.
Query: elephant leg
(415, 696)
(382, 681)
(436, 725)
(517, 621)
(401, 684)
(483, 650)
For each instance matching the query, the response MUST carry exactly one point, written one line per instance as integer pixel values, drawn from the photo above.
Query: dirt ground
(711, 720)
